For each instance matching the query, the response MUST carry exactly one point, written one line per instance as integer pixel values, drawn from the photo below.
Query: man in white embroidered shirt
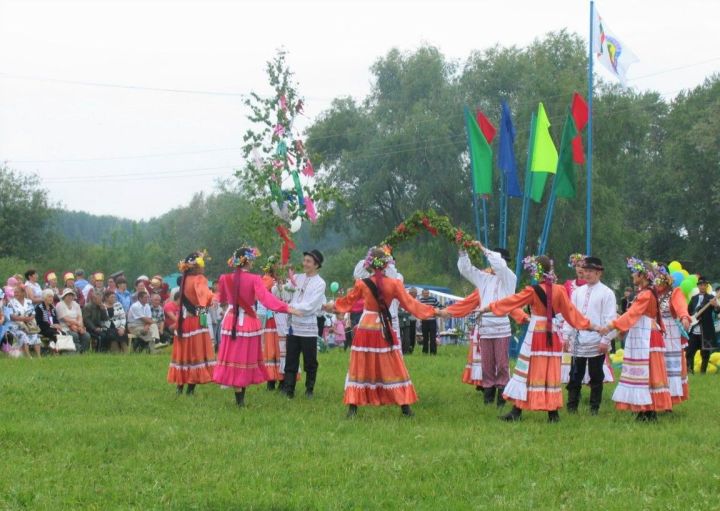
(308, 298)
(598, 303)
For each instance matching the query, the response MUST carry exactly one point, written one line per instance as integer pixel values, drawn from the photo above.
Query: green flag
(480, 156)
(566, 176)
(544, 155)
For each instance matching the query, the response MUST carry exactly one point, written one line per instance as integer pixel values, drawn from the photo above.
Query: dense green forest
(403, 147)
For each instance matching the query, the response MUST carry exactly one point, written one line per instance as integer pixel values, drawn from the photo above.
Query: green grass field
(107, 432)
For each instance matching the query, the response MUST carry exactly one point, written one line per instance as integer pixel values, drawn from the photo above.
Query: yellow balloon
(685, 273)
(712, 369)
(697, 367)
(620, 352)
(715, 358)
(698, 356)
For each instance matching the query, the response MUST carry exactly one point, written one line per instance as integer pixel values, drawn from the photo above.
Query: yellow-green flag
(544, 155)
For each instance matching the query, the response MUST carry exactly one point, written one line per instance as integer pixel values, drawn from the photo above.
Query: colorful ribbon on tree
(288, 244)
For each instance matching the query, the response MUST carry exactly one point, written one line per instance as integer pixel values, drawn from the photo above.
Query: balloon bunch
(687, 282)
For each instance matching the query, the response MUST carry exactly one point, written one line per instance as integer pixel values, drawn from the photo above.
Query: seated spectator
(80, 285)
(116, 324)
(33, 290)
(24, 328)
(172, 310)
(141, 325)
(5, 312)
(46, 318)
(141, 284)
(158, 317)
(157, 285)
(70, 317)
(96, 285)
(80, 281)
(51, 282)
(95, 316)
(124, 297)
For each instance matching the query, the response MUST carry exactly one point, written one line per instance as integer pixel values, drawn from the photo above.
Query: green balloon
(693, 279)
(687, 286)
(334, 286)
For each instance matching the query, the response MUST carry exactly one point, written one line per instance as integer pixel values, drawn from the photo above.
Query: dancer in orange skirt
(193, 357)
(270, 339)
(535, 383)
(675, 316)
(377, 374)
(643, 386)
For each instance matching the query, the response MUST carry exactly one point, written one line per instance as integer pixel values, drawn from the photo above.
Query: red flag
(485, 126)
(580, 114)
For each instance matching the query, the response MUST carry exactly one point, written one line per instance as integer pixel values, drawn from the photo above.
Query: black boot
(596, 392)
(240, 398)
(271, 385)
(488, 395)
(651, 416)
(573, 399)
(500, 398)
(190, 389)
(641, 417)
(553, 416)
(352, 411)
(514, 415)
(288, 387)
(179, 390)
(406, 411)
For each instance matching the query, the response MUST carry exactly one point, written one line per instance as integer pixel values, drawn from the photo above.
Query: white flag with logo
(610, 51)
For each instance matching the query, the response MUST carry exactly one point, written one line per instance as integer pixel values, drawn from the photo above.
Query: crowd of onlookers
(74, 312)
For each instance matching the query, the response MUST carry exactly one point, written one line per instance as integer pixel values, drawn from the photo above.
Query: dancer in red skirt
(377, 374)
(535, 383)
(240, 359)
(193, 357)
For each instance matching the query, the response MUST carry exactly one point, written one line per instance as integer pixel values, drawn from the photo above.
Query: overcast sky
(138, 153)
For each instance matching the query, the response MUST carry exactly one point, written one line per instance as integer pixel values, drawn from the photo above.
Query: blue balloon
(678, 277)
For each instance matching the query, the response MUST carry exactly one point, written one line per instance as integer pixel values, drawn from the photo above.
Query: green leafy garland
(429, 221)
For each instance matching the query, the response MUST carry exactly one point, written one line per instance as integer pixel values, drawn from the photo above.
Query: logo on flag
(610, 50)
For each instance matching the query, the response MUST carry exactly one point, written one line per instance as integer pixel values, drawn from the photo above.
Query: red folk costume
(674, 308)
(377, 374)
(535, 383)
(193, 357)
(240, 359)
(643, 383)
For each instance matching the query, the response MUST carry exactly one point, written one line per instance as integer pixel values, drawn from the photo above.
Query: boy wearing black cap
(308, 298)
(597, 302)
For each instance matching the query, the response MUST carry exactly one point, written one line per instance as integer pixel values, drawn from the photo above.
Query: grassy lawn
(107, 432)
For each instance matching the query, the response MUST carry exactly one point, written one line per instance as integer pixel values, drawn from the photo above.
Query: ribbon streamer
(308, 170)
(310, 210)
(288, 244)
(298, 188)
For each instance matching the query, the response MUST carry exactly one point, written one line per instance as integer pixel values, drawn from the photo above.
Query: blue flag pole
(588, 216)
(502, 228)
(485, 222)
(472, 178)
(526, 199)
